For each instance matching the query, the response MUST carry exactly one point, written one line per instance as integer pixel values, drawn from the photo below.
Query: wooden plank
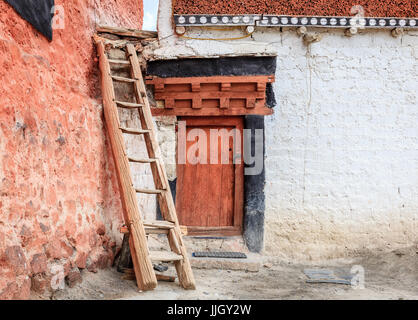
(141, 160)
(133, 131)
(123, 79)
(123, 62)
(114, 43)
(141, 34)
(168, 209)
(129, 105)
(148, 230)
(151, 230)
(149, 191)
(163, 277)
(145, 274)
(159, 224)
(155, 231)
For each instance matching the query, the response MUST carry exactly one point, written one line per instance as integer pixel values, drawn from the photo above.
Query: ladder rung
(159, 224)
(149, 191)
(123, 79)
(156, 231)
(150, 230)
(142, 160)
(165, 256)
(115, 61)
(129, 105)
(133, 131)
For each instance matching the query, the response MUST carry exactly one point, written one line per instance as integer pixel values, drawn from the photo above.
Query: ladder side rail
(144, 272)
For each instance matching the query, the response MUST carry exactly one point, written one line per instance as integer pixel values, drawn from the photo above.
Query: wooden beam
(140, 34)
(115, 43)
(264, 111)
(209, 95)
(212, 79)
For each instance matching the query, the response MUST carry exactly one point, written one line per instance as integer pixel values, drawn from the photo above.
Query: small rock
(101, 230)
(38, 263)
(81, 260)
(268, 265)
(39, 283)
(74, 277)
(15, 257)
(400, 252)
(60, 140)
(44, 228)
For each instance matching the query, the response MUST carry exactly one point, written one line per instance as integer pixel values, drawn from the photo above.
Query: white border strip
(199, 20)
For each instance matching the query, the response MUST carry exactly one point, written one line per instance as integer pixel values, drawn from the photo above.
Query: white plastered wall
(342, 146)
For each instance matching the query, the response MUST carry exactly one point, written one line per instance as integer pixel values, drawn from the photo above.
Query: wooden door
(209, 197)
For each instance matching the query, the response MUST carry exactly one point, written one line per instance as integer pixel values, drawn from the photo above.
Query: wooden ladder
(142, 257)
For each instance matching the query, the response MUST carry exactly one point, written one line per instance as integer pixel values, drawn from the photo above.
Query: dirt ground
(387, 276)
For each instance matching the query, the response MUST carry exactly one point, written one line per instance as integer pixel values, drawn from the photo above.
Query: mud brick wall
(373, 8)
(59, 198)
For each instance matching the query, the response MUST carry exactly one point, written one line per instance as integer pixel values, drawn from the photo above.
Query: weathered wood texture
(165, 199)
(211, 96)
(141, 34)
(210, 195)
(145, 275)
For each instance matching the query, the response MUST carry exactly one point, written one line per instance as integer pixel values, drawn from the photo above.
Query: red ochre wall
(373, 8)
(59, 198)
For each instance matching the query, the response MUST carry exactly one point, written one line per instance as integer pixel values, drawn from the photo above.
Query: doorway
(210, 194)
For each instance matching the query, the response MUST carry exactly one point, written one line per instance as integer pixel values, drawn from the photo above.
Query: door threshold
(214, 231)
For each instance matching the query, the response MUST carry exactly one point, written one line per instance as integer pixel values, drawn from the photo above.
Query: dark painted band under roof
(239, 66)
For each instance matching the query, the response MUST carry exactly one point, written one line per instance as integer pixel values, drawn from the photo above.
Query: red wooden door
(209, 197)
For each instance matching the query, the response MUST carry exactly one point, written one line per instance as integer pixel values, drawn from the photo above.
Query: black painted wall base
(254, 198)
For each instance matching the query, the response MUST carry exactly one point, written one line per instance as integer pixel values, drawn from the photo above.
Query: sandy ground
(387, 276)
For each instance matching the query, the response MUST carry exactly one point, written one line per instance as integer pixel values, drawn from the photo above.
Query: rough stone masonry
(59, 202)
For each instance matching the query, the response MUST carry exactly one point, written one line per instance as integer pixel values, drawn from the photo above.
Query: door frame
(237, 228)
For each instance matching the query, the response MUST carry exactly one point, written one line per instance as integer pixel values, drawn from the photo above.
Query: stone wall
(342, 146)
(59, 200)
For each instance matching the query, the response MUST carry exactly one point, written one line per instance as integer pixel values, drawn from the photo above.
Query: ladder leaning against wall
(142, 257)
